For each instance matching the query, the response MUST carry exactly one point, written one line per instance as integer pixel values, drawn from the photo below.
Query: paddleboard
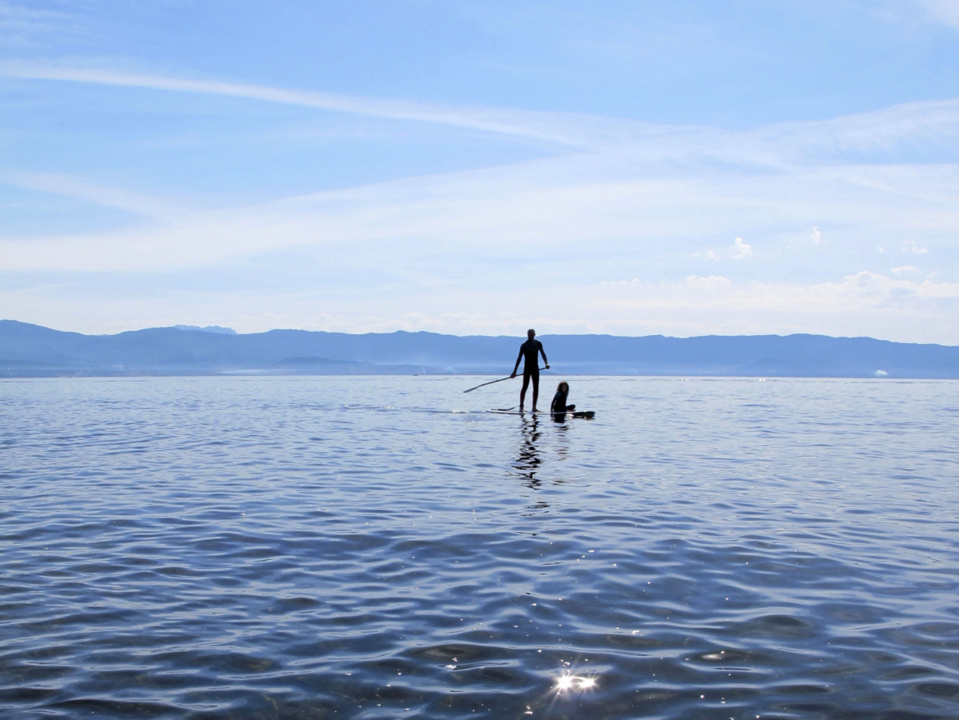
(585, 414)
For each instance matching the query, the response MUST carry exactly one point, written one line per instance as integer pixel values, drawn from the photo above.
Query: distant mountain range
(33, 351)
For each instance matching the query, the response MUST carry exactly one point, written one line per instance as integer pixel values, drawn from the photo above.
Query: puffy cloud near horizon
(862, 304)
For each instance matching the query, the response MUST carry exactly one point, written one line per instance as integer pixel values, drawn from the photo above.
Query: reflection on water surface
(372, 547)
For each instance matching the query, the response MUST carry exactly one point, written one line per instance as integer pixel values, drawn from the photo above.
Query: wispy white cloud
(913, 123)
(564, 129)
(550, 206)
(770, 147)
(77, 188)
(639, 196)
(945, 11)
(23, 26)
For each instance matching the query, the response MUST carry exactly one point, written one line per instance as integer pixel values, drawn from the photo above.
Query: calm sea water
(380, 547)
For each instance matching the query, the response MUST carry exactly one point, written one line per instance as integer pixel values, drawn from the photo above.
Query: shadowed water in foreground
(379, 548)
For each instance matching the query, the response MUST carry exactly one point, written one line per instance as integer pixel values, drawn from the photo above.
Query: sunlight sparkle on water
(567, 682)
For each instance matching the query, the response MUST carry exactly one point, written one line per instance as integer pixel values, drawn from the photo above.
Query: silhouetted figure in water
(529, 352)
(559, 407)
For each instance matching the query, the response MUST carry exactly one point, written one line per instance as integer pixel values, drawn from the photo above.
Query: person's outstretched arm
(543, 353)
(516, 366)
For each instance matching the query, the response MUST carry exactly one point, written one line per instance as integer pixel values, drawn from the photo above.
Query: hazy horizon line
(217, 330)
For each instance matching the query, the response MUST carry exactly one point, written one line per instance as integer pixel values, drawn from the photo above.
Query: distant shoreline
(33, 351)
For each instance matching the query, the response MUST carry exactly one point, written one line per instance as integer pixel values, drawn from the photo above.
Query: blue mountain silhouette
(34, 351)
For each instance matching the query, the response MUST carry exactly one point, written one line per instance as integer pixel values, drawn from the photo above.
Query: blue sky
(627, 167)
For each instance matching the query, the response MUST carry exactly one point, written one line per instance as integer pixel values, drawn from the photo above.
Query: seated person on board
(559, 406)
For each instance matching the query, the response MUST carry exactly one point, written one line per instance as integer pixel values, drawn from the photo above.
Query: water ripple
(288, 547)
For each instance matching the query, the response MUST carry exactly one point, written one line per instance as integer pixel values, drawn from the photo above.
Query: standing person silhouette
(529, 352)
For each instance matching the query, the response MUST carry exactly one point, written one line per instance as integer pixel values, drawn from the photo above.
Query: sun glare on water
(568, 682)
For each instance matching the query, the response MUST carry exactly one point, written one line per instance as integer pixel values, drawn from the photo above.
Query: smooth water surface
(249, 547)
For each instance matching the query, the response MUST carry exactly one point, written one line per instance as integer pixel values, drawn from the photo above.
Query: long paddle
(492, 381)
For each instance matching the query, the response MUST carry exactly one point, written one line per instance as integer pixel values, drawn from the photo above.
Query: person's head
(531, 333)
(563, 387)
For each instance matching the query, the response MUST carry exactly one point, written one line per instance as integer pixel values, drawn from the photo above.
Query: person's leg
(522, 393)
(535, 390)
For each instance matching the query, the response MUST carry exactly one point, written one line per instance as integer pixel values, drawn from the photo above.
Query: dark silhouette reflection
(562, 438)
(529, 460)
